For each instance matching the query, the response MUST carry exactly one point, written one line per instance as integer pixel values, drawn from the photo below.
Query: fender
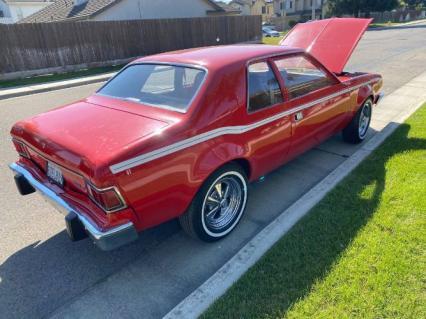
(214, 158)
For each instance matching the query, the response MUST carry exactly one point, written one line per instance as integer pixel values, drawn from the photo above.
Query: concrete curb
(205, 295)
(398, 25)
(57, 85)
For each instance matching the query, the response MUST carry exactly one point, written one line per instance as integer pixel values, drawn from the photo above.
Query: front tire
(218, 206)
(357, 129)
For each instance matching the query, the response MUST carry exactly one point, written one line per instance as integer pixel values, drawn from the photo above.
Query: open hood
(330, 41)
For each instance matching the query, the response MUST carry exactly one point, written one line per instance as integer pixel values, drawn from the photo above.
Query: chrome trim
(24, 146)
(102, 190)
(164, 107)
(166, 150)
(90, 226)
(380, 97)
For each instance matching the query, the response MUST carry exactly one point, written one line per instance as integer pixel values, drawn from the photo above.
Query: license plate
(55, 174)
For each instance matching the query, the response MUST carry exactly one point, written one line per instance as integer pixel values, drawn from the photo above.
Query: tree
(354, 7)
(415, 3)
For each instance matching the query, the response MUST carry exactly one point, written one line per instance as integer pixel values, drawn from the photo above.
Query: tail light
(109, 199)
(21, 148)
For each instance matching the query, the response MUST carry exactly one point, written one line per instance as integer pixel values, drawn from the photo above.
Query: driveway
(43, 274)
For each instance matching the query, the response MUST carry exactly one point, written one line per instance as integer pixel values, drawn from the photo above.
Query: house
(228, 8)
(296, 9)
(302, 9)
(114, 10)
(12, 11)
(265, 8)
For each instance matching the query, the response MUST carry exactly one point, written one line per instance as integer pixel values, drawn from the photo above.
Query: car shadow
(314, 245)
(43, 276)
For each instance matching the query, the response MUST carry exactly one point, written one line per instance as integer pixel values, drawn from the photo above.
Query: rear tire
(357, 129)
(218, 206)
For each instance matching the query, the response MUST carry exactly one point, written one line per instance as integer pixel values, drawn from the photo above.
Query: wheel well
(245, 165)
(371, 96)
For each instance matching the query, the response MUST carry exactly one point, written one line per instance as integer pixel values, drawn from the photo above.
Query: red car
(180, 134)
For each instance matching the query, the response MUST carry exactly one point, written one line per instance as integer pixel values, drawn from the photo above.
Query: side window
(301, 76)
(263, 87)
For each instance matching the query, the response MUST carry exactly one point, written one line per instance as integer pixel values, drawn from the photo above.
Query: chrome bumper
(105, 240)
(379, 98)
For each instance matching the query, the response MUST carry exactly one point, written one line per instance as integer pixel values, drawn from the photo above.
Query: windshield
(164, 86)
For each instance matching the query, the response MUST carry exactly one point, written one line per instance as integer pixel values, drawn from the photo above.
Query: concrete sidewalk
(391, 112)
(51, 86)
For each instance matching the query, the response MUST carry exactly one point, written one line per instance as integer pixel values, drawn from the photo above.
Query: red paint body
(87, 137)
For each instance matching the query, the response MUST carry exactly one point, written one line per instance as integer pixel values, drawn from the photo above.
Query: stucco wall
(256, 8)
(293, 6)
(5, 9)
(158, 9)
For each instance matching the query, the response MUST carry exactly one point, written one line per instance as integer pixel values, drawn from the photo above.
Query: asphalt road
(43, 274)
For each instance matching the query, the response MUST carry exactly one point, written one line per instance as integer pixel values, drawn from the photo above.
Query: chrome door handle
(298, 116)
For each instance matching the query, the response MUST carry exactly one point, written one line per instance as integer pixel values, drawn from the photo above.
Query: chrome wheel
(364, 120)
(224, 203)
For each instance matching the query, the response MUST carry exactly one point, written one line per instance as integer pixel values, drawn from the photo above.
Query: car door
(270, 137)
(312, 92)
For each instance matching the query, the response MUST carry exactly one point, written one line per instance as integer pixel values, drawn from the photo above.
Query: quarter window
(301, 76)
(263, 87)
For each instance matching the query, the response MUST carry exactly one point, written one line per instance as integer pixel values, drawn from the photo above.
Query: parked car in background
(268, 32)
(181, 134)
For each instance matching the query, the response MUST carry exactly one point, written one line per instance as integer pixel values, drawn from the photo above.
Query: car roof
(217, 57)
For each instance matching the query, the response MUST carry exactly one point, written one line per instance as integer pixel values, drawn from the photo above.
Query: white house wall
(158, 9)
(6, 13)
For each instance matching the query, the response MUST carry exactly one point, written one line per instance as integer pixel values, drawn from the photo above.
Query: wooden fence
(47, 46)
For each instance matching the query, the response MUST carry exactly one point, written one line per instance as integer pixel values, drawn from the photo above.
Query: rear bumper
(379, 97)
(104, 239)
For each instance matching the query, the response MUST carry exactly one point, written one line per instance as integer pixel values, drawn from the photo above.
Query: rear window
(164, 86)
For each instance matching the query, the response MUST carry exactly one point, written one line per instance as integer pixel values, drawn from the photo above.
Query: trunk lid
(330, 41)
(83, 136)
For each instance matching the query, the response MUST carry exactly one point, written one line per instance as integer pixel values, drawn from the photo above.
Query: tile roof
(9, 1)
(64, 10)
(228, 8)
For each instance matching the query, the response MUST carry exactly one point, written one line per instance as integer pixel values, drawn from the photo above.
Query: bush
(292, 23)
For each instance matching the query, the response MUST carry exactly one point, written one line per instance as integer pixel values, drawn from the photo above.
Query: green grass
(272, 40)
(360, 253)
(385, 24)
(58, 77)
